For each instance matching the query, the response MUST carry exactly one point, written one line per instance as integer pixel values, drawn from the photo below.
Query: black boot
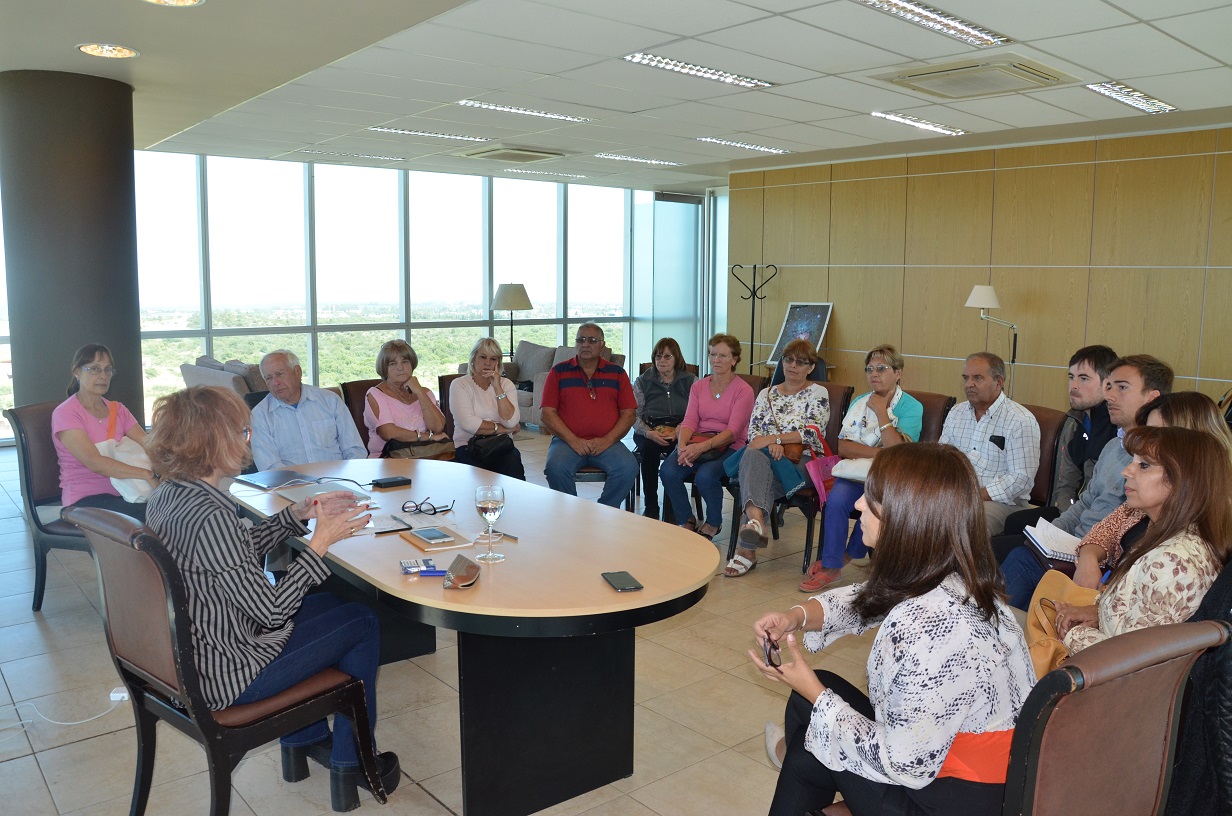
(343, 782)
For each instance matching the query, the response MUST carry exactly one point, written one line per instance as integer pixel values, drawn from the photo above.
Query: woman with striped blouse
(253, 639)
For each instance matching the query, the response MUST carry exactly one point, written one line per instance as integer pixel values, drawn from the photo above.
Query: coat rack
(754, 295)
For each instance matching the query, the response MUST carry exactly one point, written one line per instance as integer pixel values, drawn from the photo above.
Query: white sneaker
(776, 744)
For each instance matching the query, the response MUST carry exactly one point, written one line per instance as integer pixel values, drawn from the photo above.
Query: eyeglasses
(880, 369)
(770, 650)
(93, 369)
(667, 355)
(581, 341)
(425, 508)
(800, 361)
(247, 433)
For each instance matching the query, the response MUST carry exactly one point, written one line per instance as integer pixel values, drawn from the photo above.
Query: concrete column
(70, 229)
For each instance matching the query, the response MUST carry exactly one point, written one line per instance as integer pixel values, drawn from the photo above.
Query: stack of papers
(1053, 542)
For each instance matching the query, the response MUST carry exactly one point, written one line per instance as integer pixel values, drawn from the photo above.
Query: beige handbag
(1047, 650)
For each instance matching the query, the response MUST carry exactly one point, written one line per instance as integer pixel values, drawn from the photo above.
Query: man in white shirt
(298, 423)
(999, 436)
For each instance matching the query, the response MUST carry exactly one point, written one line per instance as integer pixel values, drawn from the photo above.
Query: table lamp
(511, 296)
(984, 298)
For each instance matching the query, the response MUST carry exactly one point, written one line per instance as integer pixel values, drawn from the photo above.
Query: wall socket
(119, 694)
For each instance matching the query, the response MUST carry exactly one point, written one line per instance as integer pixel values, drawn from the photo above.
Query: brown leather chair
(689, 367)
(442, 396)
(353, 395)
(936, 407)
(755, 381)
(145, 612)
(1051, 421)
(40, 488)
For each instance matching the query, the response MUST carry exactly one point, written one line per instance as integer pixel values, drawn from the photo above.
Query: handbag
(484, 449)
(425, 449)
(794, 451)
(821, 471)
(713, 453)
(855, 470)
(1047, 649)
(130, 453)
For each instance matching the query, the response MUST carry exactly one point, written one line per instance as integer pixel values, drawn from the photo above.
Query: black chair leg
(147, 745)
(810, 517)
(220, 784)
(40, 575)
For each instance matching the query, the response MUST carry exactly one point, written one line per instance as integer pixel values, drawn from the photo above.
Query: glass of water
(489, 504)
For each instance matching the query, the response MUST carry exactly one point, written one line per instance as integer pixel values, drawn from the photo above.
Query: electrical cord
(20, 725)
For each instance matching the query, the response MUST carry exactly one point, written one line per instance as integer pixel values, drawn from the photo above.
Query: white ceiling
(274, 78)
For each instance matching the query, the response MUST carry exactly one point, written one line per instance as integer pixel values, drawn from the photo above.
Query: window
(160, 365)
(597, 257)
(445, 239)
(251, 348)
(525, 230)
(343, 356)
(168, 242)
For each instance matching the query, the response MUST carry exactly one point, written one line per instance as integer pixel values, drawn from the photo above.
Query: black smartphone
(622, 581)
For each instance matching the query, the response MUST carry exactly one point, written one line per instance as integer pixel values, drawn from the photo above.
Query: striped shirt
(239, 620)
(1003, 446)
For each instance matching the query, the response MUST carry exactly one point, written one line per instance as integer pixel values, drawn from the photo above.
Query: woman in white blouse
(1181, 480)
(485, 408)
(948, 670)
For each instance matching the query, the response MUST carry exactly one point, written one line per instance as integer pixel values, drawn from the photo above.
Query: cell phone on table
(433, 535)
(622, 581)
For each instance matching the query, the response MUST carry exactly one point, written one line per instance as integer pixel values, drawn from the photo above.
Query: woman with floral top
(1180, 480)
(948, 671)
(794, 412)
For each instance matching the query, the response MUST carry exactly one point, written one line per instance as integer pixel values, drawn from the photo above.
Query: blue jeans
(840, 501)
(617, 462)
(329, 631)
(1023, 572)
(706, 476)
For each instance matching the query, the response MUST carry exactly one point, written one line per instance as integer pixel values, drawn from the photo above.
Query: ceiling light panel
(402, 132)
(108, 51)
(922, 124)
(354, 155)
(176, 3)
(940, 22)
(615, 157)
(744, 145)
(1132, 97)
(701, 72)
(471, 103)
(542, 173)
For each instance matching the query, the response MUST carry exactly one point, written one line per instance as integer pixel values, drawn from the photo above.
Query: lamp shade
(983, 297)
(513, 297)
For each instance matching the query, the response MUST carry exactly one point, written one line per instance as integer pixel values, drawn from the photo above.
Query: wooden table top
(552, 572)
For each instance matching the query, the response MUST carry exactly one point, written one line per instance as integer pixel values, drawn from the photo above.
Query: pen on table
(439, 573)
(509, 536)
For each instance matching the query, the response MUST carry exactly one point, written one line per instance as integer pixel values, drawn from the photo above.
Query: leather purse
(489, 446)
(425, 449)
(713, 453)
(1047, 649)
(462, 573)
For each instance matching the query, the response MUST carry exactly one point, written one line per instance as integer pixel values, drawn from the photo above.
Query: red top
(589, 407)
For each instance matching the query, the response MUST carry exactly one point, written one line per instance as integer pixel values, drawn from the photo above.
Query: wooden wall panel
(960, 162)
(868, 221)
(868, 307)
(739, 181)
(793, 284)
(1188, 143)
(796, 224)
(1221, 211)
(1215, 389)
(1042, 216)
(848, 368)
(1044, 155)
(798, 175)
(1152, 213)
(877, 168)
(1216, 362)
(1042, 385)
(1050, 308)
(934, 320)
(938, 375)
(1148, 311)
(744, 234)
(949, 218)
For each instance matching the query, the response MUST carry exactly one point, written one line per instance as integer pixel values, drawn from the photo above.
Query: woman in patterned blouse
(948, 670)
(1181, 480)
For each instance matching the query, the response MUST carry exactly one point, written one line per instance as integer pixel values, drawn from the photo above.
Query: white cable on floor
(21, 724)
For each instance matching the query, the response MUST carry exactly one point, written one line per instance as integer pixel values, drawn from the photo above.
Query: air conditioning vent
(964, 79)
(510, 155)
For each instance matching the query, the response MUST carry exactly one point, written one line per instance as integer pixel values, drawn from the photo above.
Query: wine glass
(489, 503)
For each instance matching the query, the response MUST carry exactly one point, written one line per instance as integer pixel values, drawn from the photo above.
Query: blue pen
(1104, 580)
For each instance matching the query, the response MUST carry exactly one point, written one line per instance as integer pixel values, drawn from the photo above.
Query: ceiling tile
(1039, 18)
(815, 137)
(289, 124)
(781, 6)
(683, 17)
(654, 124)
(362, 82)
(391, 62)
(859, 22)
(441, 41)
(1191, 90)
(700, 113)
(953, 117)
(586, 93)
(779, 106)
(1154, 9)
(803, 45)
(531, 22)
(723, 58)
(434, 125)
(643, 79)
(849, 94)
(1207, 31)
(349, 100)
(622, 135)
(878, 130)
(1128, 51)
(1017, 110)
(1086, 102)
(263, 106)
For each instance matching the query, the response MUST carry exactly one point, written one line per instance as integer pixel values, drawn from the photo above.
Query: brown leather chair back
(36, 455)
(1122, 695)
(689, 367)
(1051, 421)
(353, 395)
(442, 395)
(840, 401)
(755, 381)
(936, 407)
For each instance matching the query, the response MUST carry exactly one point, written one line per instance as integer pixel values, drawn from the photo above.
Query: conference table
(545, 644)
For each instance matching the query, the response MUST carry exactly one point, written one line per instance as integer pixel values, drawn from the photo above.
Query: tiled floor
(701, 707)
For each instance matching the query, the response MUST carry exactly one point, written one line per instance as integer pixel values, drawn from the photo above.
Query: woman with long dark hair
(948, 670)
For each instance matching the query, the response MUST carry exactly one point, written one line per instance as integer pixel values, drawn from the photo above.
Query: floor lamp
(511, 296)
(984, 298)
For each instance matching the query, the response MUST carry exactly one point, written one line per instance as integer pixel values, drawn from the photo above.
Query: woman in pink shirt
(82, 421)
(715, 425)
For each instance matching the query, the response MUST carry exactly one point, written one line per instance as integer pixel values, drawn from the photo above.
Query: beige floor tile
(15, 541)
(75, 705)
(45, 674)
(659, 670)
(727, 594)
(441, 664)
(16, 559)
(720, 642)
(661, 747)
(755, 749)
(53, 634)
(258, 781)
(724, 708)
(23, 788)
(685, 619)
(726, 783)
(20, 582)
(426, 740)
(446, 638)
(183, 797)
(620, 806)
(78, 564)
(16, 609)
(13, 740)
(404, 686)
(446, 788)
(581, 804)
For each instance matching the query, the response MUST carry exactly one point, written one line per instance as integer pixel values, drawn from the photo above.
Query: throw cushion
(251, 373)
(205, 361)
(532, 359)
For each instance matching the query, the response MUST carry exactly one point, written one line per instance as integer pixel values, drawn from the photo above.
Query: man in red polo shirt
(588, 406)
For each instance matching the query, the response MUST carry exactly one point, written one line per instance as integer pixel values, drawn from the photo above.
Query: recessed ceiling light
(402, 132)
(542, 173)
(176, 3)
(922, 124)
(354, 155)
(745, 145)
(941, 22)
(471, 103)
(636, 159)
(1132, 97)
(108, 51)
(696, 70)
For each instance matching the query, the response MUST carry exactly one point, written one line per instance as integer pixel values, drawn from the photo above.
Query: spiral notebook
(1053, 542)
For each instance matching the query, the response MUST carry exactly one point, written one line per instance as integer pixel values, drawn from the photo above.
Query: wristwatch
(778, 440)
(502, 396)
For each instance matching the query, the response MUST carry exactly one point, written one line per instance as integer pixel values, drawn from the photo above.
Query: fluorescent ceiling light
(696, 70)
(941, 22)
(1132, 97)
(745, 145)
(108, 51)
(176, 3)
(636, 159)
(542, 173)
(402, 132)
(923, 124)
(471, 103)
(354, 155)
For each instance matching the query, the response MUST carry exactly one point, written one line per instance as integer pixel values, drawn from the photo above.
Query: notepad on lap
(1053, 542)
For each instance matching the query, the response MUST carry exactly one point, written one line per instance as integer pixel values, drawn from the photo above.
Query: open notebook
(1053, 542)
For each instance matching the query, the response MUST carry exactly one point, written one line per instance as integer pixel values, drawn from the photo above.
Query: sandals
(819, 578)
(701, 532)
(739, 566)
(753, 535)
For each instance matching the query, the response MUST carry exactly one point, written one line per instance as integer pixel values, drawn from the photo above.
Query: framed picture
(805, 321)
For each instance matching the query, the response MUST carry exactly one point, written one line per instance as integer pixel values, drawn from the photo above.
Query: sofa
(242, 378)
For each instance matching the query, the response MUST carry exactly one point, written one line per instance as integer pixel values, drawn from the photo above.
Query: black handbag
(484, 449)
